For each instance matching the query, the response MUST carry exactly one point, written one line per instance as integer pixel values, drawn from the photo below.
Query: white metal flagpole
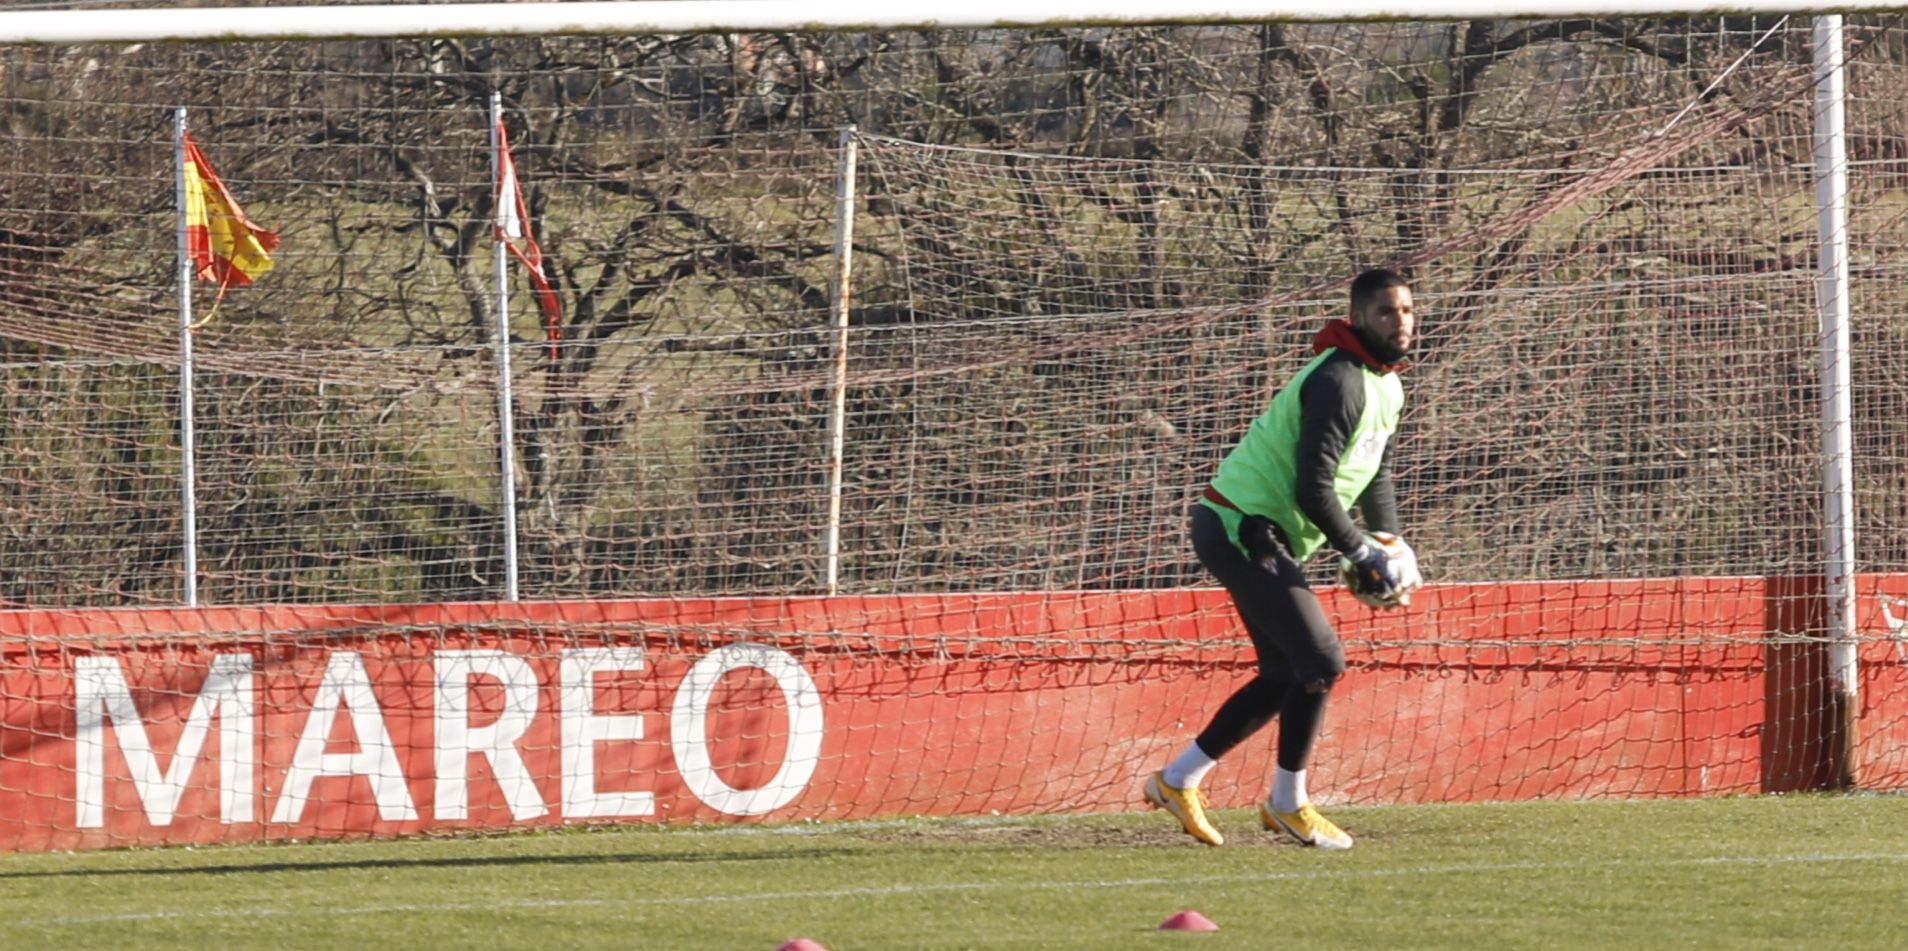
(1838, 477)
(837, 414)
(188, 502)
(506, 436)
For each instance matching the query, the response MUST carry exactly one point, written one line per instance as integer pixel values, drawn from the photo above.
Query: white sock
(1288, 790)
(1189, 767)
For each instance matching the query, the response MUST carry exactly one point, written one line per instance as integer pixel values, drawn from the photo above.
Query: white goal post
(742, 16)
(226, 24)
(941, 474)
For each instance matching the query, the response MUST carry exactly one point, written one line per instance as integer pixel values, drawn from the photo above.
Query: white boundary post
(1838, 479)
(506, 428)
(188, 438)
(843, 289)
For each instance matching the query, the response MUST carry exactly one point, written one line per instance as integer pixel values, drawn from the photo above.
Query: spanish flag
(225, 246)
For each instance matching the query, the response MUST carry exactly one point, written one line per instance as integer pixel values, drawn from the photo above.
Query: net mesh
(1083, 261)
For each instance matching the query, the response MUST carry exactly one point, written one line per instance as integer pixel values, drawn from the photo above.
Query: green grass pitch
(1766, 872)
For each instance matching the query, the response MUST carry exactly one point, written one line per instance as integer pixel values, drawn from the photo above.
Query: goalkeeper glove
(1381, 572)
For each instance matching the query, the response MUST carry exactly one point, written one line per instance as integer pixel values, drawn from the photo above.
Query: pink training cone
(801, 944)
(1188, 921)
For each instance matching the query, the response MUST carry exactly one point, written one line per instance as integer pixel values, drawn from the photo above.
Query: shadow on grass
(489, 861)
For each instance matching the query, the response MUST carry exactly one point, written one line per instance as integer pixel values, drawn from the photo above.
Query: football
(1405, 562)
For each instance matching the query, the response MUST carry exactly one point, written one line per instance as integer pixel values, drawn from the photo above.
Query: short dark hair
(1368, 285)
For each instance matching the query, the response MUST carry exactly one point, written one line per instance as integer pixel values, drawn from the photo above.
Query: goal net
(1082, 261)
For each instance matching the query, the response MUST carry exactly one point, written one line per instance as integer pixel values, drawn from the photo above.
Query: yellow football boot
(1186, 805)
(1305, 825)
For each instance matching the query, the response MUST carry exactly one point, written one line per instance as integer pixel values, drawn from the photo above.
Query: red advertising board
(124, 727)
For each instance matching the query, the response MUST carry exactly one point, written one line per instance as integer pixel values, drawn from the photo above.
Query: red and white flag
(513, 226)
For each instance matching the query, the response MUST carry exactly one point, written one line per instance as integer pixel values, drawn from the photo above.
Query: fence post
(842, 289)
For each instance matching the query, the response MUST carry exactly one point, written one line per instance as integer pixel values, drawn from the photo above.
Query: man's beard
(1380, 348)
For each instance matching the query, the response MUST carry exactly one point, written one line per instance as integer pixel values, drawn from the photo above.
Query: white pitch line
(888, 891)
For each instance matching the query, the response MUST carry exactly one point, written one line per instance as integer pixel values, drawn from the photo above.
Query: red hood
(1339, 333)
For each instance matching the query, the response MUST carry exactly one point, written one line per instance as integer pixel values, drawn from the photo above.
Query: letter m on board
(102, 696)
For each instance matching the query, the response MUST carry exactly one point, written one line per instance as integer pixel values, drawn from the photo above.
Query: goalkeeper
(1280, 495)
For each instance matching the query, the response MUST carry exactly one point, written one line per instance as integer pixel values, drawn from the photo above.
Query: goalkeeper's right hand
(1371, 568)
(1381, 572)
